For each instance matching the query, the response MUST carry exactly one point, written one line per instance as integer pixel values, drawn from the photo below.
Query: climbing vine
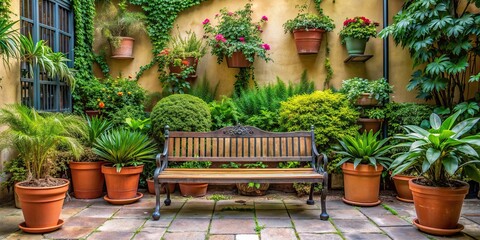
(5, 9)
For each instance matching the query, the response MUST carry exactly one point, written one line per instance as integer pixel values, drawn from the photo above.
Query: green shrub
(180, 112)
(330, 113)
(203, 90)
(399, 114)
(224, 113)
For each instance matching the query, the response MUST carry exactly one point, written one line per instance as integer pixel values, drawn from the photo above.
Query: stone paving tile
(356, 226)
(336, 204)
(301, 206)
(189, 225)
(232, 226)
(184, 235)
(84, 222)
(233, 204)
(68, 212)
(194, 213)
(274, 223)
(311, 236)
(459, 236)
(97, 212)
(83, 203)
(247, 237)
(142, 203)
(313, 226)
(160, 223)
(277, 234)
(10, 224)
(401, 233)
(374, 211)
(121, 223)
(366, 236)
(168, 213)
(301, 214)
(142, 213)
(233, 214)
(70, 232)
(197, 204)
(472, 230)
(150, 233)
(272, 213)
(264, 205)
(24, 236)
(474, 219)
(389, 221)
(346, 214)
(111, 235)
(221, 237)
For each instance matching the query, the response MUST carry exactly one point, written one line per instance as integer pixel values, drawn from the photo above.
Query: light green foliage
(358, 27)
(5, 9)
(330, 113)
(224, 113)
(255, 165)
(307, 20)
(193, 164)
(141, 125)
(375, 113)
(202, 90)
(390, 209)
(96, 127)
(218, 197)
(8, 40)
(181, 112)
(378, 89)
(188, 46)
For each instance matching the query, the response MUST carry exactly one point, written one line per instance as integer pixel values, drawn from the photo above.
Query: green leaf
(432, 155)
(472, 172)
(435, 121)
(451, 164)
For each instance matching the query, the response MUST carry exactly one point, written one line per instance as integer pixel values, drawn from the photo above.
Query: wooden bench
(241, 144)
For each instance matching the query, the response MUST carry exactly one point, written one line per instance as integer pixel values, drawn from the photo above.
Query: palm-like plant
(8, 40)
(123, 147)
(441, 151)
(364, 148)
(38, 136)
(96, 127)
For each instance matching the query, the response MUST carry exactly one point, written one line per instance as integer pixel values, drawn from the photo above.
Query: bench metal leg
(324, 215)
(156, 213)
(167, 201)
(310, 200)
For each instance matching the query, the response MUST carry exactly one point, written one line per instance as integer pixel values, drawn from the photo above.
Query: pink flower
(230, 13)
(241, 39)
(220, 38)
(264, 18)
(266, 46)
(206, 21)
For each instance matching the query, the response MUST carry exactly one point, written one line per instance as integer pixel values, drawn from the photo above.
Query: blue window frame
(52, 21)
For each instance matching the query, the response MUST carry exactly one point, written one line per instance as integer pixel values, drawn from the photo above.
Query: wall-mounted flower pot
(151, 187)
(92, 113)
(368, 124)
(355, 46)
(404, 193)
(124, 49)
(192, 62)
(193, 189)
(238, 60)
(246, 190)
(88, 179)
(308, 42)
(362, 185)
(365, 100)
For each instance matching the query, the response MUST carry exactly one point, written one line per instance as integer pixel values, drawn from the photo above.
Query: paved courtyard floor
(276, 216)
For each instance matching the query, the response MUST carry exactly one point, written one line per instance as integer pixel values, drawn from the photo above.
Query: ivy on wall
(5, 9)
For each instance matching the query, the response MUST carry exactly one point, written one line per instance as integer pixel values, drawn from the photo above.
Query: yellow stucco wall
(287, 64)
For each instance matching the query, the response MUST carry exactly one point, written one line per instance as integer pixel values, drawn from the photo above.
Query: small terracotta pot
(151, 187)
(122, 185)
(365, 100)
(88, 179)
(308, 42)
(368, 124)
(238, 60)
(41, 206)
(246, 190)
(362, 185)
(404, 193)
(124, 50)
(193, 189)
(92, 113)
(438, 207)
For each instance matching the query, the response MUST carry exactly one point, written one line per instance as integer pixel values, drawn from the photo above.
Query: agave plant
(441, 151)
(8, 40)
(364, 148)
(123, 147)
(96, 127)
(37, 137)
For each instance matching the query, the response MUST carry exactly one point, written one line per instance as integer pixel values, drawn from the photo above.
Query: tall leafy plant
(8, 40)
(442, 37)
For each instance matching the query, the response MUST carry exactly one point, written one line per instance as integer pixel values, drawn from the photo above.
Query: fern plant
(8, 41)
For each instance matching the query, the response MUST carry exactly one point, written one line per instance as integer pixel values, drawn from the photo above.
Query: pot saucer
(26, 229)
(438, 231)
(361, 204)
(404, 200)
(123, 201)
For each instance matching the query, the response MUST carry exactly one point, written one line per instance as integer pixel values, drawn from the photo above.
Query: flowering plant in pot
(37, 138)
(440, 152)
(125, 151)
(356, 32)
(236, 35)
(308, 29)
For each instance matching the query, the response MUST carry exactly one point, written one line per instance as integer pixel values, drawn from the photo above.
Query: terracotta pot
(365, 100)
(355, 46)
(404, 193)
(438, 207)
(238, 60)
(124, 50)
(92, 113)
(246, 190)
(87, 179)
(122, 185)
(362, 185)
(193, 189)
(335, 181)
(151, 187)
(368, 124)
(41, 206)
(308, 42)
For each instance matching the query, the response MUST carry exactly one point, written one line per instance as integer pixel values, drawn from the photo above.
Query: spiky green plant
(96, 127)
(8, 41)
(37, 137)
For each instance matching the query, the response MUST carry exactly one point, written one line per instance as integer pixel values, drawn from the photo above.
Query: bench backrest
(239, 144)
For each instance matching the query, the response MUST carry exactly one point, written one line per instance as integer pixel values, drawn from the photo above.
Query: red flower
(230, 13)
(241, 39)
(165, 51)
(101, 105)
(264, 18)
(206, 21)
(220, 38)
(185, 62)
(266, 46)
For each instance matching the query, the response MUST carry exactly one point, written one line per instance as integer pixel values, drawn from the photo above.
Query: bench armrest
(320, 158)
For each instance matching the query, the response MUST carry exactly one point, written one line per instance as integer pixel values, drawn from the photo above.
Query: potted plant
(251, 188)
(364, 92)
(356, 32)
(37, 138)
(372, 121)
(118, 26)
(308, 29)
(125, 151)
(193, 189)
(440, 152)
(87, 177)
(362, 164)
(236, 37)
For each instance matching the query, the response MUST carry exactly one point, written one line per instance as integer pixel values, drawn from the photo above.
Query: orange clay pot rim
(464, 185)
(309, 30)
(42, 188)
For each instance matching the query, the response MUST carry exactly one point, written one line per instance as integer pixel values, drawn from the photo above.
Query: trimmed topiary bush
(331, 114)
(180, 112)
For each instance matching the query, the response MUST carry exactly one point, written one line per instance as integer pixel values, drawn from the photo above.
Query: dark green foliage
(399, 114)
(14, 171)
(203, 91)
(181, 112)
(330, 113)
(224, 113)
(193, 164)
(84, 12)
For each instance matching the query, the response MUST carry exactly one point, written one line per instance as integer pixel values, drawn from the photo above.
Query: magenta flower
(230, 13)
(266, 46)
(220, 38)
(206, 21)
(264, 18)
(241, 39)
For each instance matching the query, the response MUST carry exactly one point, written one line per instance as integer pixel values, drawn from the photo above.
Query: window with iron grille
(52, 21)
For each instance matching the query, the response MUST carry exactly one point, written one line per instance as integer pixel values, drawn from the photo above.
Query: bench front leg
(324, 215)
(156, 213)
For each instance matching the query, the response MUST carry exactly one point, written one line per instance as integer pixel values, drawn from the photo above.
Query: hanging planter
(123, 49)
(308, 41)
(368, 124)
(187, 62)
(238, 60)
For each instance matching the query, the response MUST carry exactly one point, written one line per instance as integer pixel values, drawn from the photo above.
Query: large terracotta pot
(122, 185)
(193, 189)
(88, 179)
(365, 100)
(41, 206)
(151, 187)
(124, 50)
(238, 60)
(362, 185)
(246, 190)
(355, 46)
(308, 42)
(404, 193)
(438, 207)
(368, 124)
